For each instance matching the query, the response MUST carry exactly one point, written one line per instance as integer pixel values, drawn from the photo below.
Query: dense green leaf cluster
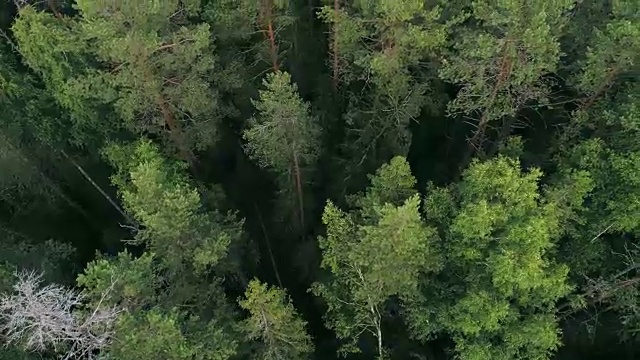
(277, 179)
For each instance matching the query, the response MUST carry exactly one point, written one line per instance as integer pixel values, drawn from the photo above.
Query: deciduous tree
(496, 293)
(374, 253)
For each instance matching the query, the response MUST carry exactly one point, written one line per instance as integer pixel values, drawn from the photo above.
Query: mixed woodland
(319, 179)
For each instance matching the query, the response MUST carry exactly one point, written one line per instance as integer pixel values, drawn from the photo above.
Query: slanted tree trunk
(175, 132)
(335, 50)
(266, 13)
(505, 131)
(475, 143)
(588, 102)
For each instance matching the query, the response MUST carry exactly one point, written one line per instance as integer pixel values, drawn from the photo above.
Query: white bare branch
(51, 317)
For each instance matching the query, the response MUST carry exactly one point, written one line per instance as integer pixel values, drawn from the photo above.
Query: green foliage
(59, 54)
(185, 250)
(231, 20)
(154, 68)
(29, 114)
(392, 183)
(382, 54)
(177, 228)
(612, 159)
(254, 30)
(499, 284)
(135, 342)
(285, 129)
(601, 246)
(154, 334)
(501, 62)
(150, 43)
(17, 354)
(29, 124)
(274, 322)
(183, 98)
(284, 137)
(136, 285)
(362, 255)
(49, 257)
(612, 49)
(7, 272)
(124, 281)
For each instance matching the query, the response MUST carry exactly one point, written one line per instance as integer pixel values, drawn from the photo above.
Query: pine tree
(149, 317)
(253, 26)
(491, 264)
(285, 137)
(55, 50)
(382, 54)
(611, 54)
(274, 322)
(155, 68)
(374, 253)
(502, 59)
(186, 237)
(29, 127)
(173, 300)
(159, 68)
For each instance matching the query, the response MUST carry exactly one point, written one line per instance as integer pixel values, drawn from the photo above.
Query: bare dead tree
(53, 317)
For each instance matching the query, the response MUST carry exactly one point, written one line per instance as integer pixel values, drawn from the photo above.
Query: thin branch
(602, 232)
(100, 190)
(266, 239)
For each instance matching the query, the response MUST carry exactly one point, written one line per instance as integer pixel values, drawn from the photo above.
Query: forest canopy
(321, 179)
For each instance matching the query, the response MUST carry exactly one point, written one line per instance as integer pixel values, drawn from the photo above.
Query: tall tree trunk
(476, 141)
(505, 131)
(175, 132)
(130, 220)
(607, 82)
(266, 240)
(335, 54)
(298, 177)
(267, 18)
(175, 129)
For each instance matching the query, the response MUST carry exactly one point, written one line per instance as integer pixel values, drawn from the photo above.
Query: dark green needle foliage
(285, 138)
(275, 324)
(315, 180)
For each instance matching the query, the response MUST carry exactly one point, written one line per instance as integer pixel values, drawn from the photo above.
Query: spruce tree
(159, 68)
(184, 260)
(188, 238)
(284, 137)
(145, 61)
